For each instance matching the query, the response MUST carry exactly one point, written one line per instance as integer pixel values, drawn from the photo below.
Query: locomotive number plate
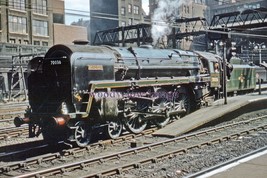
(95, 67)
(55, 62)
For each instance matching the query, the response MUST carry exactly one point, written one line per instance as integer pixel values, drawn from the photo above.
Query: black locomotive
(77, 88)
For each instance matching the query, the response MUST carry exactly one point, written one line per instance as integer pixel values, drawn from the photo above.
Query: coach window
(216, 67)
(204, 66)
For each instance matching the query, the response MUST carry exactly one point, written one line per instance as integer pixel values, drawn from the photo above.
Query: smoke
(164, 15)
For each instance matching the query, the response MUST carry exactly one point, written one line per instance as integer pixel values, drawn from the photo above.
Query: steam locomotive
(75, 89)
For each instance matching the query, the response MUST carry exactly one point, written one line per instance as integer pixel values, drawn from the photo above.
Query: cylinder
(59, 121)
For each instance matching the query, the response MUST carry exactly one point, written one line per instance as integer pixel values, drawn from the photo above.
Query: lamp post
(223, 45)
(260, 47)
(224, 74)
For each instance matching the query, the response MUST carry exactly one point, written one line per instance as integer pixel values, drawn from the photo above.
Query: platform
(235, 106)
(254, 166)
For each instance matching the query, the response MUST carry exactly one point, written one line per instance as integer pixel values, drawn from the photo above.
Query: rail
(169, 148)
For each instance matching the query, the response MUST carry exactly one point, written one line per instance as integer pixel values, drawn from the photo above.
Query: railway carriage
(240, 76)
(243, 77)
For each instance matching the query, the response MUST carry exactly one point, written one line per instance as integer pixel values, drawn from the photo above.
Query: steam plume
(166, 13)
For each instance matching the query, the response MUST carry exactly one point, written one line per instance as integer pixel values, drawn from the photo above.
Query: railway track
(39, 148)
(11, 110)
(10, 150)
(116, 163)
(10, 115)
(6, 120)
(11, 132)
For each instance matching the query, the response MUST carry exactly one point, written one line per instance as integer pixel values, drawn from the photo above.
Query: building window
(122, 10)
(186, 9)
(136, 10)
(129, 8)
(12, 41)
(37, 43)
(39, 6)
(44, 43)
(130, 22)
(58, 18)
(40, 28)
(26, 42)
(123, 23)
(17, 4)
(200, 1)
(17, 24)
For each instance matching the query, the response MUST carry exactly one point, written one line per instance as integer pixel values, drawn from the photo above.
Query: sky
(145, 5)
(73, 8)
(76, 10)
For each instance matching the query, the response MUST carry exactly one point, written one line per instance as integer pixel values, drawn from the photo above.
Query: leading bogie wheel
(114, 129)
(82, 133)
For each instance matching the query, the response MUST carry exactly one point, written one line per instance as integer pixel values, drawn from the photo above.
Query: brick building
(31, 27)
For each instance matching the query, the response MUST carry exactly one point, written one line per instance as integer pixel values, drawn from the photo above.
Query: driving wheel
(135, 124)
(82, 134)
(161, 105)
